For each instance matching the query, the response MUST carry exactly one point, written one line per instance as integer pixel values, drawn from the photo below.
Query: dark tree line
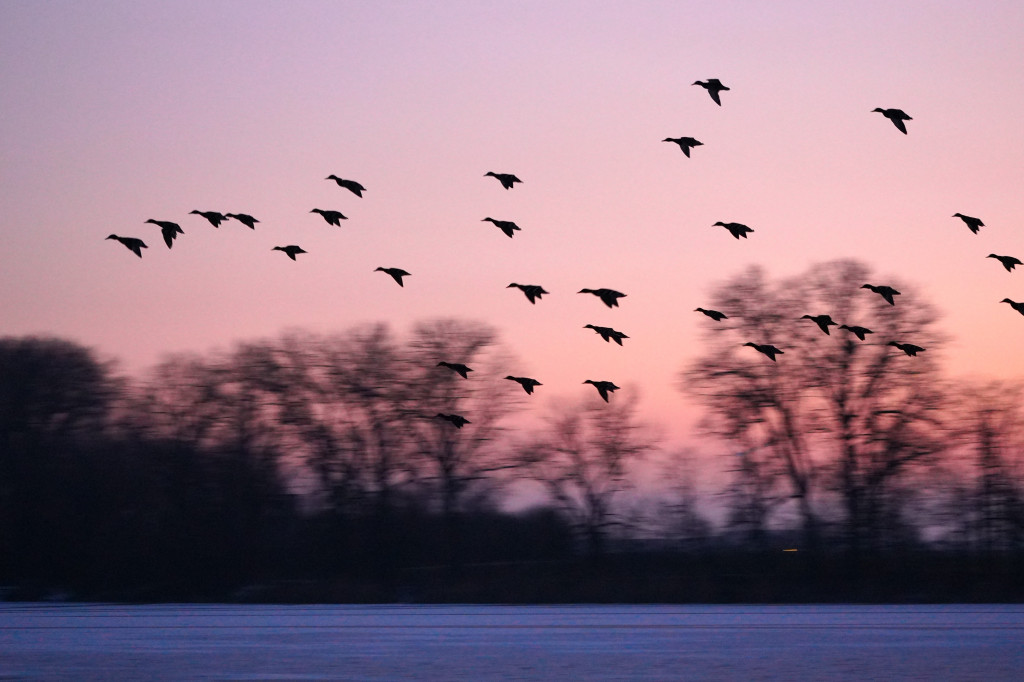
(315, 467)
(302, 457)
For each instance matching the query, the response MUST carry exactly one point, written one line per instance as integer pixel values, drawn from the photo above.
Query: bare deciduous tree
(178, 400)
(834, 412)
(583, 458)
(458, 459)
(990, 421)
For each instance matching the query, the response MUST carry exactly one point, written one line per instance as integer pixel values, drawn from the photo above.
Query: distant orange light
(790, 550)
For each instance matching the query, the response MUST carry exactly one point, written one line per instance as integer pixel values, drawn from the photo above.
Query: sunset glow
(116, 113)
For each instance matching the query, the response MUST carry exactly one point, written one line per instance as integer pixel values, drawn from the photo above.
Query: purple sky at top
(115, 112)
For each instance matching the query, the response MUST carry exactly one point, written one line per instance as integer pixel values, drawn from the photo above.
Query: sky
(113, 113)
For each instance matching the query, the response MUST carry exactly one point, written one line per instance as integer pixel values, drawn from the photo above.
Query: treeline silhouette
(314, 468)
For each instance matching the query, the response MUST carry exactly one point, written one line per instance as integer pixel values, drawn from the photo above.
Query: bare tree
(227, 401)
(346, 402)
(360, 410)
(671, 507)
(340, 398)
(370, 373)
(834, 411)
(178, 400)
(583, 458)
(457, 460)
(991, 423)
(688, 522)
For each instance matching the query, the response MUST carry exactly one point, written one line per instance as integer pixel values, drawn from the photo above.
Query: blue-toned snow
(225, 642)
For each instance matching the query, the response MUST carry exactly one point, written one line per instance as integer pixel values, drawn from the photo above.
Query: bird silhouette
(765, 348)
(133, 244)
(244, 218)
(332, 217)
(607, 333)
(823, 321)
(609, 297)
(456, 367)
(685, 143)
(859, 332)
(350, 185)
(908, 348)
(291, 250)
(713, 314)
(897, 116)
(884, 291)
(1019, 307)
(713, 86)
(603, 387)
(973, 224)
(736, 229)
(214, 217)
(1008, 261)
(396, 273)
(506, 226)
(456, 420)
(532, 291)
(526, 382)
(168, 229)
(506, 179)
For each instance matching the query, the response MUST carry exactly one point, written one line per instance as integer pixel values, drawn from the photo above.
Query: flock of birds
(610, 297)
(170, 231)
(737, 230)
(885, 291)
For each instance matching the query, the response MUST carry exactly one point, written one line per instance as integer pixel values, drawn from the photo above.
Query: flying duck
(736, 229)
(456, 420)
(609, 297)
(133, 244)
(244, 218)
(1007, 261)
(506, 179)
(1019, 307)
(291, 250)
(908, 348)
(607, 333)
(973, 224)
(884, 291)
(603, 387)
(214, 217)
(526, 382)
(713, 86)
(332, 217)
(532, 291)
(350, 185)
(168, 229)
(685, 143)
(713, 314)
(823, 321)
(859, 332)
(396, 273)
(456, 367)
(766, 348)
(506, 226)
(897, 116)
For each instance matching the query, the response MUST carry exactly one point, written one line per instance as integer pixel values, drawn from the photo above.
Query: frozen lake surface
(228, 642)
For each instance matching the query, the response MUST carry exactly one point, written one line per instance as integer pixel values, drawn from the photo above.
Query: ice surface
(177, 642)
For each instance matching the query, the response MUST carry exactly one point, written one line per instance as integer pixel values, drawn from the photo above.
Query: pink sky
(113, 113)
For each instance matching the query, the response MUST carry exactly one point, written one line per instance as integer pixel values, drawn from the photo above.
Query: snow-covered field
(181, 642)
